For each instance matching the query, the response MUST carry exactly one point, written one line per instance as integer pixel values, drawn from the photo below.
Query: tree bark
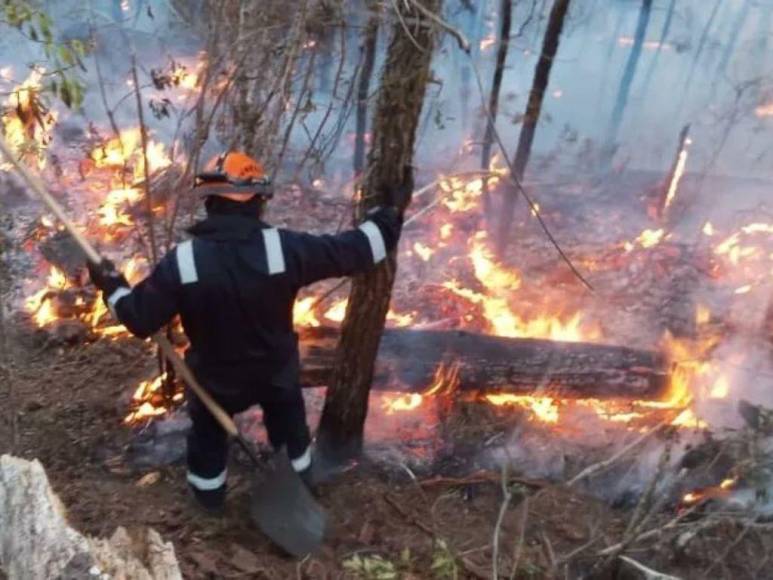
(370, 42)
(628, 74)
(398, 109)
(408, 359)
(506, 18)
(533, 109)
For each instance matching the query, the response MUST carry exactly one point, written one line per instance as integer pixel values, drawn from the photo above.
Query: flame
(424, 252)
(545, 409)
(487, 42)
(303, 314)
(491, 274)
(649, 238)
(143, 397)
(681, 163)
(125, 151)
(708, 229)
(337, 311)
(27, 128)
(499, 284)
(399, 320)
(702, 315)
(40, 305)
(765, 110)
(445, 380)
(720, 389)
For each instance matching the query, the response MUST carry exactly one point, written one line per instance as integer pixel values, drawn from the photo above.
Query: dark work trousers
(284, 416)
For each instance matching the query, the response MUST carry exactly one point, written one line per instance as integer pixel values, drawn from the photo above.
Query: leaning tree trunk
(403, 84)
(627, 79)
(533, 109)
(363, 88)
(506, 17)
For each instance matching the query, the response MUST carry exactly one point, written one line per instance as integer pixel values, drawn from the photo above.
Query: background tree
(403, 85)
(658, 51)
(532, 114)
(506, 18)
(369, 44)
(626, 80)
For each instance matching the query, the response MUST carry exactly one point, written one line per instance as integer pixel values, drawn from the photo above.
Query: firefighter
(234, 285)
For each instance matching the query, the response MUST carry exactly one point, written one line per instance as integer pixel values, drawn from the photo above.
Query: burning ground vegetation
(591, 464)
(517, 418)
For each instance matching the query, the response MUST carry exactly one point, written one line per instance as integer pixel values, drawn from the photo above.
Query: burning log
(408, 359)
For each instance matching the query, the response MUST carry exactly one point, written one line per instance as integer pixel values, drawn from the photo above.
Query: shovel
(281, 506)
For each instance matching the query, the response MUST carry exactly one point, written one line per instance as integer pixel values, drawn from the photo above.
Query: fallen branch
(482, 477)
(521, 535)
(603, 465)
(649, 573)
(507, 496)
(650, 533)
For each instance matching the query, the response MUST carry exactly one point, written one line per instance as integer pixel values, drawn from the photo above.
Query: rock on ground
(36, 542)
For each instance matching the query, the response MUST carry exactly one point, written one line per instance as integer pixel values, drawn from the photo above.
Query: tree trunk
(506, 16)
(408, 360)
(533, 109)
(627, 80)
(663, 35)
(403, 85)
(370, 42)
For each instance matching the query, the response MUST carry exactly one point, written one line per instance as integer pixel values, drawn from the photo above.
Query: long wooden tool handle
(182, 369)
(36, 186)
(91, 253)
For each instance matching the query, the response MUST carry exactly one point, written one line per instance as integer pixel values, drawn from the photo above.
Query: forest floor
(383, 524)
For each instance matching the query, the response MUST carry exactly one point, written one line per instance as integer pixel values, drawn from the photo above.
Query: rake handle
(225, 420)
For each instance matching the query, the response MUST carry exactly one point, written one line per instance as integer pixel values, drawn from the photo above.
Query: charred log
(408, 359)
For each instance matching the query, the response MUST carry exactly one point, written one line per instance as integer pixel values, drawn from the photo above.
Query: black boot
(212, 500)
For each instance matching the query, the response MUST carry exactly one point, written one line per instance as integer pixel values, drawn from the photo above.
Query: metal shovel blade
(284, 509)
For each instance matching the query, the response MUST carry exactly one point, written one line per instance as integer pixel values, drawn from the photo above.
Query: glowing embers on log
(445, 381)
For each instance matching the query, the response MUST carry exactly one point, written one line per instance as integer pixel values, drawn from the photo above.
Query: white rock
(36, 542)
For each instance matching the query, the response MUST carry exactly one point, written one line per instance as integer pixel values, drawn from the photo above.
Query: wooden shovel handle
(225, 420)
(91, 253)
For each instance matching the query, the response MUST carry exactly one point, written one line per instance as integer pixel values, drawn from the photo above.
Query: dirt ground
(383, 524)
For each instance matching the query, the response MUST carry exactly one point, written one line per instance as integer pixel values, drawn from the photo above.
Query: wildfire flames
(26, 123)
(470, 278)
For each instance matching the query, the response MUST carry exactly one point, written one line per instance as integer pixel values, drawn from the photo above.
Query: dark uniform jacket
(234, 284)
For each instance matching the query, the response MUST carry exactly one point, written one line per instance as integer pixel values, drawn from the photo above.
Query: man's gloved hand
(389, 221)
(105, 276)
